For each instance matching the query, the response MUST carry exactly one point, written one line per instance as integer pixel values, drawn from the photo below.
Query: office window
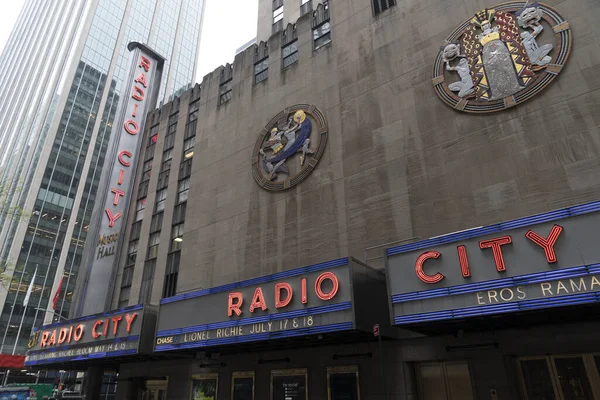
(322, 35)
(289, 54)
(153, 243)
(136, 229)
(382, 5)
(305, 7)
(147, 170)
(143, 189)
(261, 70)
(277, 14)
(127, 277)
(185, 169)
(183, 190)
(132, 253)
(225, 91)
(156, 223)
(171, 274)
(147, 281)
(176, 237)
(140, 207)
(167, 157)
(163, 180)
(179, 213)
(169, 141)
(153, 137)
(161, 198)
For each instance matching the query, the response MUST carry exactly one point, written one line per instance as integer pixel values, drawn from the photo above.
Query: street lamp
(51, 312)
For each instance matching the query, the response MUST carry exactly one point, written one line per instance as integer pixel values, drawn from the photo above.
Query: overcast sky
(227, 26)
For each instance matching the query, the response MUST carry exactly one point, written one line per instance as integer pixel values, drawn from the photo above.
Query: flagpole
(25, 304)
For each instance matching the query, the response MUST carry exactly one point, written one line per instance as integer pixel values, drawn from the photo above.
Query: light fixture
(275, 361)
(477, 346)
(178, 239)
(190, 154)
(351, 356)
(44, 215)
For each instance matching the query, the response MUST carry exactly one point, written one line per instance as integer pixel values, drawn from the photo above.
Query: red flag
(57, 295)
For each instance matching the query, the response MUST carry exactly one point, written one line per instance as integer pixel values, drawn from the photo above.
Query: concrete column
(93, 383)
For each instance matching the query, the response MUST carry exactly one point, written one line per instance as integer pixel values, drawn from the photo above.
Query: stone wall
(399, 163)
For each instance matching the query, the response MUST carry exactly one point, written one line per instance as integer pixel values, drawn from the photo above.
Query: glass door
(155, 390)
(562, 377)
(444, 381)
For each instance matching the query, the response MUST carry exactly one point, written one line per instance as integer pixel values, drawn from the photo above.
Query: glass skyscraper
(60, 78)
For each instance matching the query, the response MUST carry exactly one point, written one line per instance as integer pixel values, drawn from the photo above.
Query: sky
(227, 26)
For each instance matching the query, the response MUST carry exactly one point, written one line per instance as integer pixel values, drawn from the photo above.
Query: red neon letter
(118, 193)
(145, 63)
(464, 261)
(121, 176)
(94, 333)
(495, 244)
(52, 338)
(142, 79)
(129, 319)
(106, 327)
(235, 307)
(138, 93)
(303, 289)
(112, 218)
(124, 153)
(115, 321)
(132, 127)
(290, 292)
(419, 268)
(548, 243)
(334, 280)
(78, 333)
(258, 300)
(44, 338)
(62, 335)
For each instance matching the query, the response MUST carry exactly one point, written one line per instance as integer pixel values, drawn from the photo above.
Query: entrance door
(444, 381)
(155, 390)
(564, 377)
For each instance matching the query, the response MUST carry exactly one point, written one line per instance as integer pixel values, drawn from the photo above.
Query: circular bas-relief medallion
(502, 57)
(289, 147)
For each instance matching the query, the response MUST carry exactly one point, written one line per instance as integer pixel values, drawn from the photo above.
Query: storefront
(298, 334)
(506, 311)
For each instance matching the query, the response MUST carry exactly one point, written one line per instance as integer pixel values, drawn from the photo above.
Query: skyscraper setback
(60, 79)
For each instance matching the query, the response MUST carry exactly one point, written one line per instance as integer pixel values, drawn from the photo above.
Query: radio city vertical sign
(546, 260)
(102, 247)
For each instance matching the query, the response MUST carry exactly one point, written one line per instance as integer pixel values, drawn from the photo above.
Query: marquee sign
(547, 260)
(101, 255)
(110, 334)
(340, 295)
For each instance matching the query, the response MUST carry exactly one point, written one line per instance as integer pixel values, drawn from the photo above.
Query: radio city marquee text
(107, 243)
(83, 351)
(513, 293)
(283, 295)
(103, 328)
(495, 246)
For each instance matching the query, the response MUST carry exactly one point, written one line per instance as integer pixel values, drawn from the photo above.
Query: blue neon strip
(344, 326)
(88, 317)
(257, 281)
(522, 305)
(81, 358)
(61, 348)
(529, 279)
(504, 226)
(255, 320)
